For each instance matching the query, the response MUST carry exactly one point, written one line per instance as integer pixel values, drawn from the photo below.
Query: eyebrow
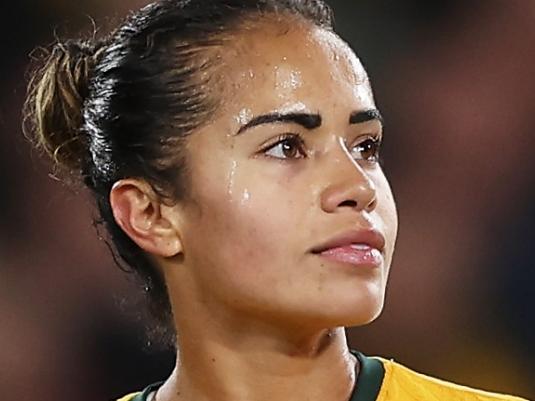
(358, 117)
(306, 120)
(309, 120)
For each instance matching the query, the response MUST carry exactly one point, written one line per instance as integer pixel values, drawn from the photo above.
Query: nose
(349, 187)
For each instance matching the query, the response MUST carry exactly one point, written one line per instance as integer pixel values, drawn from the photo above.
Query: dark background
(455, 81)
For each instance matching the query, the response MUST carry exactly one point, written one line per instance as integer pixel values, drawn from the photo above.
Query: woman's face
(268, 194)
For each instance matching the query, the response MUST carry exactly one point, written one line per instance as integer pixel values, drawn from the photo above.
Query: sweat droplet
(288, 80)
(230, 186)
(244, 116)
(246, 196)
(291, 107)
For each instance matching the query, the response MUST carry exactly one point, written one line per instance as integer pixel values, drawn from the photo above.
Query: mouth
(355, 247)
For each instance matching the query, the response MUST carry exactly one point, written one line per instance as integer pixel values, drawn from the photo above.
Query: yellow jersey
(380, 379)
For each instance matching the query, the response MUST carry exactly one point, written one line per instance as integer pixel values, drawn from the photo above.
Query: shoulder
(402, 383)
(381, 379)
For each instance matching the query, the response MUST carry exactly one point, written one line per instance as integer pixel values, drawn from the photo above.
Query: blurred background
(456, 83)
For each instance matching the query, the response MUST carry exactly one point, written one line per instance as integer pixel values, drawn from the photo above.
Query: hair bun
(54, 107)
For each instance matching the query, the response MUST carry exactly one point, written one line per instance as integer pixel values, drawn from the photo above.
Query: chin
(357, 311)
(363, 318)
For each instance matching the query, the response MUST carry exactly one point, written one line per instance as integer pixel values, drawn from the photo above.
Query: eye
(367, 150)
(288, 146)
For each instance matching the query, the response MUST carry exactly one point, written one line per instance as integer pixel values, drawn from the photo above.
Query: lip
(368, 236)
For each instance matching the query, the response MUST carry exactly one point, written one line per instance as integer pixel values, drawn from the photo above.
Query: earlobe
(142, 216)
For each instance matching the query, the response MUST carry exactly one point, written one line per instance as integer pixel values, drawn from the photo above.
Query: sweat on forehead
(283, 37)
(269, 58)
(269, 71)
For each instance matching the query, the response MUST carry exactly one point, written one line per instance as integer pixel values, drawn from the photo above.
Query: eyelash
(296, 139)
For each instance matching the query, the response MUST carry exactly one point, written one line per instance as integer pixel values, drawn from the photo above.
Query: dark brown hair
(122, 105)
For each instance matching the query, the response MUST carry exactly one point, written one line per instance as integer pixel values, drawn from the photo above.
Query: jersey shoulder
(129, 397)
(403, 384)
(141, 395)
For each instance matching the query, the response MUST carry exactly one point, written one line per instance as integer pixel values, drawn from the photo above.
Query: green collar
(367, 387)
(369, 380)
(143, 395)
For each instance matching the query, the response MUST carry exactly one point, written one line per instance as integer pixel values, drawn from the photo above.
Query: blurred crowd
(455, 81)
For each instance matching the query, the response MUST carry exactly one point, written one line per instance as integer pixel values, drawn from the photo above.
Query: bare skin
(258, 315)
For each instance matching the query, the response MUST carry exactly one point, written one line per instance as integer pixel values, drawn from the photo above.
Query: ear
(144, 218)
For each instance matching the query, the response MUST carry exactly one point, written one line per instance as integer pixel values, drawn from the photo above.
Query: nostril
(349, 203)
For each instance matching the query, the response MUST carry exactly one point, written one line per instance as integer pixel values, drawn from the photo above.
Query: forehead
(293, 66)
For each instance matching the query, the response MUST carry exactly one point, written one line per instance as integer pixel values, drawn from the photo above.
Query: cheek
(386, 209)
(244, 224)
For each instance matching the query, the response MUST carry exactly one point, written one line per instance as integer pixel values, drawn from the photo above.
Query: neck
(260, 365)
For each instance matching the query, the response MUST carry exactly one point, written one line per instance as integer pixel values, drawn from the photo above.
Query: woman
(232, 147)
